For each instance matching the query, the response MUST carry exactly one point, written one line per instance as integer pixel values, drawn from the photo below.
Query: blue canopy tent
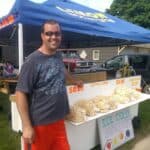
(76, 20)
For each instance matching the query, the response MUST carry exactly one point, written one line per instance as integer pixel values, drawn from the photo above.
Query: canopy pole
(120, 49)
(20, 45)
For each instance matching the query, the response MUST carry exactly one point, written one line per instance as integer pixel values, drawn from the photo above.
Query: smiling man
(41, 93)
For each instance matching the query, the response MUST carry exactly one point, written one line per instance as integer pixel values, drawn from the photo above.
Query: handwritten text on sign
(115, 129)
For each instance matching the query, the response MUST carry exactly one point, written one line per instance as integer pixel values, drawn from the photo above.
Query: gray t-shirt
(42, 78)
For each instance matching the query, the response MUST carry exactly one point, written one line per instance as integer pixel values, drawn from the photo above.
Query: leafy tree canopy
(135, 11)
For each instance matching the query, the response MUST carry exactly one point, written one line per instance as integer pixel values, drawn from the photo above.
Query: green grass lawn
(9, 140)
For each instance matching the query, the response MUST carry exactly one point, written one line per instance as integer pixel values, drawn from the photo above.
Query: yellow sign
(87, 15)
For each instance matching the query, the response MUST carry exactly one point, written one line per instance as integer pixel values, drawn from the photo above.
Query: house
(100, 54)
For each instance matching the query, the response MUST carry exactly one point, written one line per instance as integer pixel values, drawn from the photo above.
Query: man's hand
(28, 134)
(22, 105)
(78, 83)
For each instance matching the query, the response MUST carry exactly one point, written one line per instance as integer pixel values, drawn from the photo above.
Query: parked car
(74, 63)
(139, 62)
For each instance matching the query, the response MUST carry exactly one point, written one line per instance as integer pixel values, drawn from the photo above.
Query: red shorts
(50, 137)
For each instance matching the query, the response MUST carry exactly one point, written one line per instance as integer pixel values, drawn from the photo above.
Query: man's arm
(72, 79)
(22, 105)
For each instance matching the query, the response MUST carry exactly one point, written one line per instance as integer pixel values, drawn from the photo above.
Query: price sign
(115, 129)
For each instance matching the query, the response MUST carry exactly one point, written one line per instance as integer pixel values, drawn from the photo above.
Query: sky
(5, 6)
(100, 5)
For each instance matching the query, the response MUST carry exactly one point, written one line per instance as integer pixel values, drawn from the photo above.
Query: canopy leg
(20, 44)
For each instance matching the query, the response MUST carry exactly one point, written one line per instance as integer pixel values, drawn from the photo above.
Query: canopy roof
(77, 22)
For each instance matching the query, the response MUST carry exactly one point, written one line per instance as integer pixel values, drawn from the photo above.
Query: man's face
(51, 36)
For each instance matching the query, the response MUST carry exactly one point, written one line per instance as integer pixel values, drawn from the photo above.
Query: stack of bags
(123, 94)
(101, 104)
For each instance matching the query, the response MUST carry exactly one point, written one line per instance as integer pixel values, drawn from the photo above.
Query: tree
(135, 11)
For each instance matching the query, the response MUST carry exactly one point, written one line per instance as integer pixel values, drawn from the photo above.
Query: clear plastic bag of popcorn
(88, 106)
(77, 114)
(101, 103)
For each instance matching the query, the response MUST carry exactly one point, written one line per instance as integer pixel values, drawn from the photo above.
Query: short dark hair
(52, 22)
